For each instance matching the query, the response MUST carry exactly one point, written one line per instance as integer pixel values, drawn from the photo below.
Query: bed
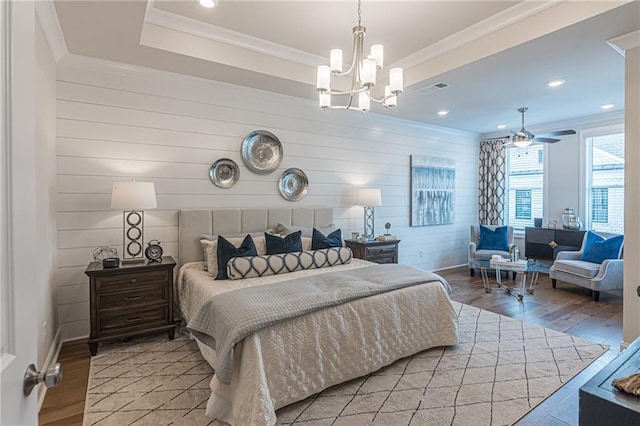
(291, 360)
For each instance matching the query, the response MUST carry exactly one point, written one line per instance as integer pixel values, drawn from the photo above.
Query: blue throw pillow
(289, 244)
(494, 240)
(597, 249)
(319, 241)
(226, 251)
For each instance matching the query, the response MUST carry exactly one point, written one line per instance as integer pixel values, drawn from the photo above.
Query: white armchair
(568, 267)
(475, 254)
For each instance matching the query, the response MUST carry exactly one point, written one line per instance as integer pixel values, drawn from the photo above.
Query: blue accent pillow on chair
(226, 251)
(289, 244)
(597, 249)
(497, 239)
(320, 241)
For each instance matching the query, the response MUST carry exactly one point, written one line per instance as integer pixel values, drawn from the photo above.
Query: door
(18, 295)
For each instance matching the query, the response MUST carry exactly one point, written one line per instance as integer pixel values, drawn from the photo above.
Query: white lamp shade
(335, 60)
(133, 196)
(396, 80)
(324, 78)
(369, 197)
(364, 103)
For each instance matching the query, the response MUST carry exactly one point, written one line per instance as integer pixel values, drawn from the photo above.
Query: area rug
(500, 369)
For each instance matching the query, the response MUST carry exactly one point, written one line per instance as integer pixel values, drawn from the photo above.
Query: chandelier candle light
(368, 198)
(363, 72)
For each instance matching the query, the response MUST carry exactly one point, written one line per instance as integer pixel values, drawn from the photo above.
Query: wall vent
(432, 88)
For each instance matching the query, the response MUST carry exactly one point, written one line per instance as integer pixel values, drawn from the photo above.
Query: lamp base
(135, 260)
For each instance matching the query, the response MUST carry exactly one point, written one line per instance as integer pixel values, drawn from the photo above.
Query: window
(523, 204)
(600, 205)
(525, 180)
(605, 182)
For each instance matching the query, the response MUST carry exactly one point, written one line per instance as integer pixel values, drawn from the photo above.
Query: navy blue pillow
(494, 240)
(597, 249)
(226, 251)
(289, 244)
(319, 241)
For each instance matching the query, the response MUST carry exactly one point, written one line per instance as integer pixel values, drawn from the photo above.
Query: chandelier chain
(359, 13)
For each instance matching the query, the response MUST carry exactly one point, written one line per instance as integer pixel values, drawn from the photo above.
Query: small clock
(153, 252)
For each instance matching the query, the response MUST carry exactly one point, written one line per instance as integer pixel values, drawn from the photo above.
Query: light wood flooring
(567, 309)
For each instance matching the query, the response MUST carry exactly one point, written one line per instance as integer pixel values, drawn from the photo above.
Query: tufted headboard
(193, 223)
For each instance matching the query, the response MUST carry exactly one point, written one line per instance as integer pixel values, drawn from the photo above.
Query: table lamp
(133, 198)
(368, 198)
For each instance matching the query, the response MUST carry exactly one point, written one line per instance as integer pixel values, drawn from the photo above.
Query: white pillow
(211, 258)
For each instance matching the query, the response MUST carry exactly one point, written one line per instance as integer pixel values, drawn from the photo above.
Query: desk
(527, 271)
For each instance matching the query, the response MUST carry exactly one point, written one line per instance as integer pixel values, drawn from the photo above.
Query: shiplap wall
(116, 122)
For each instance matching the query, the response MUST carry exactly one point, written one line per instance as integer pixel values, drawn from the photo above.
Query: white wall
(44, 256)
(116, 122)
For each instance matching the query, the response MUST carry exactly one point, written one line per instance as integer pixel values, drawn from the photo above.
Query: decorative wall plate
(293, 184)
(261, 152)
(224, 173)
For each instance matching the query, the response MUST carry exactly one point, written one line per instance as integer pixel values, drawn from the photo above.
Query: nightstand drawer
(130, 320)
(125, 281)
(146, 296)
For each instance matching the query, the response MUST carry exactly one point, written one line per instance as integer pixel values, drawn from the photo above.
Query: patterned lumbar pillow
(259, 266)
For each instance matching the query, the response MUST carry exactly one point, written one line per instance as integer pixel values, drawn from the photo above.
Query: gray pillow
(283, 229)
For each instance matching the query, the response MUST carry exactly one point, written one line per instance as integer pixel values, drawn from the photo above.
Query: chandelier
(363, 76)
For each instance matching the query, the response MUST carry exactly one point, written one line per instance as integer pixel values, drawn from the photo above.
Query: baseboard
(52, 358)
(450, 267)
(624, 345)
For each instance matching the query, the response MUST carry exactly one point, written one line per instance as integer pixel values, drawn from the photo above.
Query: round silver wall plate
(262, 152)
(293, 184)
(224, 173)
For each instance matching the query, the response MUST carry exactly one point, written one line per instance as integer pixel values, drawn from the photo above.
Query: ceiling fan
(523, 138)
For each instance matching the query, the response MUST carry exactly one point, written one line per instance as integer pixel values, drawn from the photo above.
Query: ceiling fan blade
(545, 140)
(560, 133)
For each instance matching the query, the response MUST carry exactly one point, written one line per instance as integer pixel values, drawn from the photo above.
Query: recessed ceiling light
(607, 106)
(501, 126)
(555, 83)
(207, 3)
(443, 112)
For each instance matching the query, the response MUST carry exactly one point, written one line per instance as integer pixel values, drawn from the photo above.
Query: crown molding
(48, 19)
(165, 19)
(487, 26)
(625, 42)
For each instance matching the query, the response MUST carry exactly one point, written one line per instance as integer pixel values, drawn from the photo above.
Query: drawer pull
(130, 320)
(140, 296)
(134, 280)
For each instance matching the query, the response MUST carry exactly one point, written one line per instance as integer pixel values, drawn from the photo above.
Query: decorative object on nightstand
(387, 226)
(369, 198)
(153, 252)
(375, 251)
(133, 197)
(135, 298)
(106, 255)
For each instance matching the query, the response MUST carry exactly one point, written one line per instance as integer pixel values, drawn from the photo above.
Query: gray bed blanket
(227, 318)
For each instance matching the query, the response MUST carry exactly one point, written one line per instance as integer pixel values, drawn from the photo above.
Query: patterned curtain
(492, 182)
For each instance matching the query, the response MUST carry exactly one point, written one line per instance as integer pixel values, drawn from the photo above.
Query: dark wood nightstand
(375, 251)
(134, 298)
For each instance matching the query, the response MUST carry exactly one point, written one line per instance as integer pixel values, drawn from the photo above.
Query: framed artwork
(433, 184)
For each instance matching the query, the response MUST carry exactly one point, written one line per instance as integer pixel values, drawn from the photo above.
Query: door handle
(32, 377)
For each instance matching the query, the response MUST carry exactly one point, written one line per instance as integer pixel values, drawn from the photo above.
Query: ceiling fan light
(209, 4)
(555, 83)
(522, 143)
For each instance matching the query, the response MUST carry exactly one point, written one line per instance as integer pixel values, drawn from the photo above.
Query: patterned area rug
(500, 369)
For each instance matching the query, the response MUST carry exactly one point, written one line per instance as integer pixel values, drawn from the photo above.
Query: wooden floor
(567, 309)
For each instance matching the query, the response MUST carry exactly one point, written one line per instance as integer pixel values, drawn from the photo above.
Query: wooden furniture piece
(602, 404)
(545, 243)
(134, 298)
(375, 251)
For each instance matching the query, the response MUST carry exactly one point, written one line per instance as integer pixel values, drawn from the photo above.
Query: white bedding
(289, 361)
